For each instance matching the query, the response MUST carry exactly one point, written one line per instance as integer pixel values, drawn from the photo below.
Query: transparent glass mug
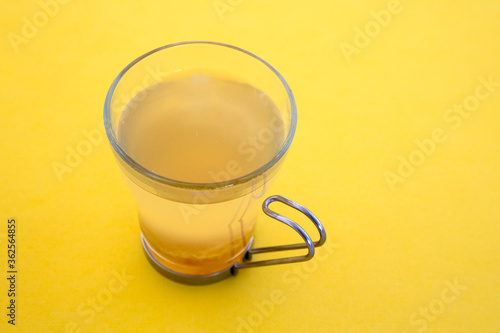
(201, 232)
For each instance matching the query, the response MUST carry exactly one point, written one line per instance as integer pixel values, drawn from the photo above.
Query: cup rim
(195, 185)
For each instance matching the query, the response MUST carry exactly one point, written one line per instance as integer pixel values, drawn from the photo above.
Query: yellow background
(392, 252)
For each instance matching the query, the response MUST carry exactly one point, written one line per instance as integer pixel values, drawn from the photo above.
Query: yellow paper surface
(396, 151)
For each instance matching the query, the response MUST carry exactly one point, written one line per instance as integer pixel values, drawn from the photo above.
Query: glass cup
(198, 218)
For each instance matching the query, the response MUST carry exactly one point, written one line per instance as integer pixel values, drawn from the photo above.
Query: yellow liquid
(201, 129)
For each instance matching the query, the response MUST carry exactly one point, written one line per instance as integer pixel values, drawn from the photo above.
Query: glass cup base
(185, 278)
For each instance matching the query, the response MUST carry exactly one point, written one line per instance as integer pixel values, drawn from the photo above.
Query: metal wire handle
(309, 244)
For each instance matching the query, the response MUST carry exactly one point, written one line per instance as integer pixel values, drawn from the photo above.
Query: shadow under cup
(199, 229)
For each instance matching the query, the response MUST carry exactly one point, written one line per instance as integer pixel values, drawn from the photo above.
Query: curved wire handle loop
(308, 243)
